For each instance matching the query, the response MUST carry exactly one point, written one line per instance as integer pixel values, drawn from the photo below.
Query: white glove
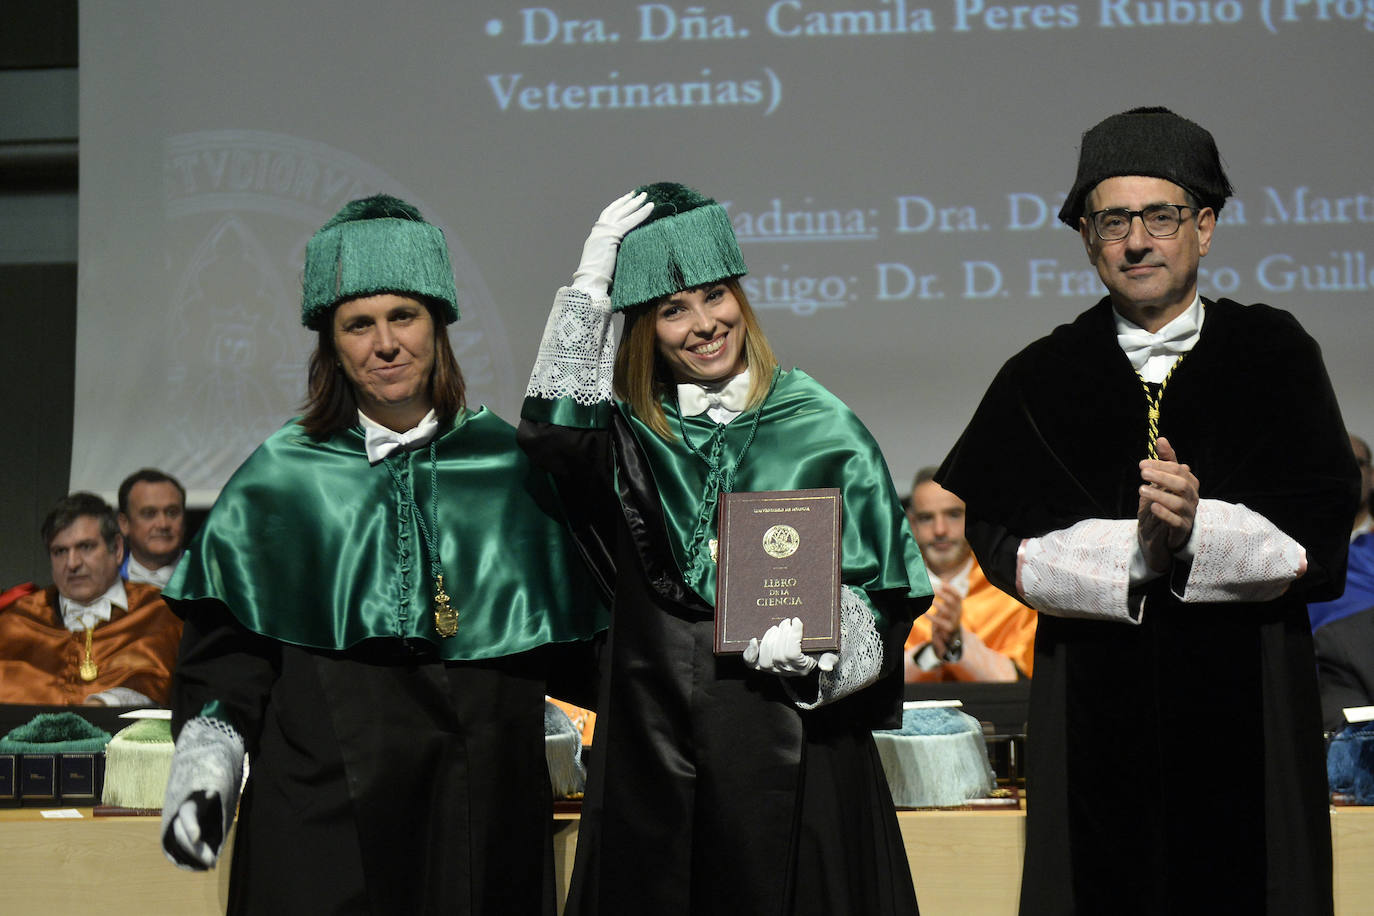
(202, 793)
(780, 651)
(594, 274)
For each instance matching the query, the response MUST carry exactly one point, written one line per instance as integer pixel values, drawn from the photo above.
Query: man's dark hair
(70, 508)
(924, 474)
(146, 475)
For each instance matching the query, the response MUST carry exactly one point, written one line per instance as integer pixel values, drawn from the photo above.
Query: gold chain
(89, 670)
(1152, 405)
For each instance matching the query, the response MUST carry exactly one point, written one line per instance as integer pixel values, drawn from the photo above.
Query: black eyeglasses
(1160, 220)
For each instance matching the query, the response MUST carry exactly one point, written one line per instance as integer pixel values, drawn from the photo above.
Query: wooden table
(107, 865)
(966, 863)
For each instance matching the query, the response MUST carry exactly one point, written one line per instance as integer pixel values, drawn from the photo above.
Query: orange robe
(1003, 624)
(40, 659)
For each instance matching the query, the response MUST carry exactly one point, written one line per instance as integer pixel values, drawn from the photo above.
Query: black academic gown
(1175, 766)
(709, 791)
(400, 772)
(383, 779)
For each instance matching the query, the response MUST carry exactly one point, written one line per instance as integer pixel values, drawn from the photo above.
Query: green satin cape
(806, 438)
(308, 544)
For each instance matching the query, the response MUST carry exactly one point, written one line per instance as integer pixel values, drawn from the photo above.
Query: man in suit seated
(152, 519)
(90, 638)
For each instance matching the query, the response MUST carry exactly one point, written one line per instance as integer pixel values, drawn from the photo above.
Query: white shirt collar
(721, 403)
(159, 577)
(381, 441)
(77, 617)
(1153, 355)
(958, 581)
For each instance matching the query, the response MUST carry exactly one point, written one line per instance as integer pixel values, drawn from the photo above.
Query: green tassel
(675, 249)
(376, 245)
(378, 206)
(55, 733)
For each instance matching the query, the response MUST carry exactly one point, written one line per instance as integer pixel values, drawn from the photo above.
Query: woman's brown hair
(330, 404)
(642, 379)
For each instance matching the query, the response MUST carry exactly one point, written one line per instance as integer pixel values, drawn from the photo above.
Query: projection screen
(892, 168)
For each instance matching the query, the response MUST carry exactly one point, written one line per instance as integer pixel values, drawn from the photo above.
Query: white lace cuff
(208, 759)
(1239, 555)
(1080, 571)
(577, 355)
(861, 654)
(121, 696)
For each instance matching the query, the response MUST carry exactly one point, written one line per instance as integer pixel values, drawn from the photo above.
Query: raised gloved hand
(779, 651)
(202, 792)
(594, 274)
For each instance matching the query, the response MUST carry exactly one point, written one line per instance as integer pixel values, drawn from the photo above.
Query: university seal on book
(781, 541)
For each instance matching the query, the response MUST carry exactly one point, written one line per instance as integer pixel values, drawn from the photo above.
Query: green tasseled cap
(376, 245)
(137, 765)
(687, 241)
(145, 731)
(55, 733)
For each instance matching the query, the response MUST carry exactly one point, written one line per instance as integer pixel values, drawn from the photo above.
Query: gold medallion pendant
(445, 617)
(89, 670)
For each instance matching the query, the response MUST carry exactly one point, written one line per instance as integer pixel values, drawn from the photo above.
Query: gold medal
(89, 671)
(445, 617)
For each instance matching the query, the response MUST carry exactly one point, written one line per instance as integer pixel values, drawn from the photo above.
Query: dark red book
(778, 557)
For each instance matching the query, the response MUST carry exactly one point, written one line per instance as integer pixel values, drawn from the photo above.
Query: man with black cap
(1178, 485)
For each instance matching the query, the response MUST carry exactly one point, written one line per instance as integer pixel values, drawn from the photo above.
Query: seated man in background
(152, 514)
(1343, 629)
(90, 638)
(1345, 659)
(1359, 574)
(973, 631)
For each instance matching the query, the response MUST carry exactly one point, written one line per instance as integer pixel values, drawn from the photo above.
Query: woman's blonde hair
(642, 379)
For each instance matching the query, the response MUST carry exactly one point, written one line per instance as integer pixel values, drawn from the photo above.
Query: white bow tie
(1140, 346)
(693, 399)
(381, 441)
(77, 617)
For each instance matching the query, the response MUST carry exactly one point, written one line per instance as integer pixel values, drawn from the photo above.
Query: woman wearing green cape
(729, 783)
(371, 611)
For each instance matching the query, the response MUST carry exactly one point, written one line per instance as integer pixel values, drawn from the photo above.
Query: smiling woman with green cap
(719, 784)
